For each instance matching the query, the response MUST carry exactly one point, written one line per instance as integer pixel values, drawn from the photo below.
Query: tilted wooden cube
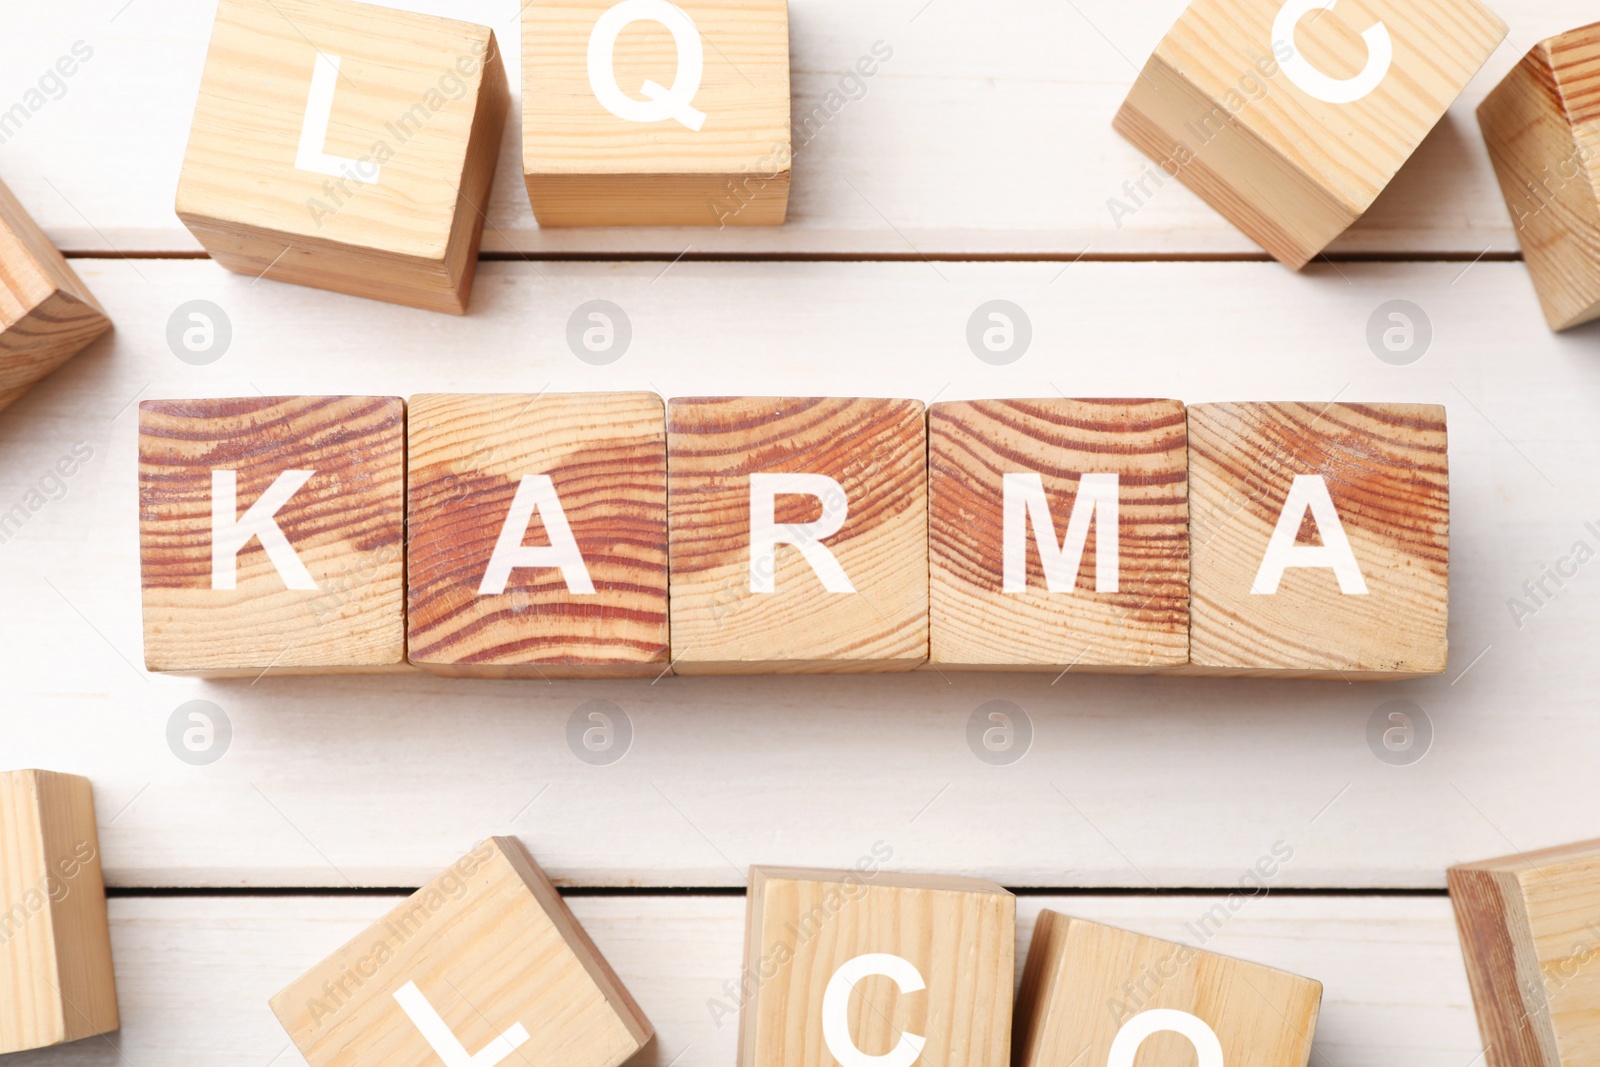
(1058, 535)
(650, 113)
(798, 535)
(1094, 994)
(47, 314)
(346, 146)
(1319, 540)
(483, 965)
(272, 535)
(1289, 117)
(538, 535)
(842, 967)
(1530, 930)
(56, 980)
(1542, 127)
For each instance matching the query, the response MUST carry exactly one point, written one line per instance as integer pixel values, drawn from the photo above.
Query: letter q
(675, 103)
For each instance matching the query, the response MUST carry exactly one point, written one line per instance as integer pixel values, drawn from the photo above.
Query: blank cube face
(798, 535)
(650, 113)
(1059, 534)
(272, 534)
(844, 966)
(1320, 539)
(483, 964)
(1096, 994)
(1290, 116)
(345, 146)
(538, 535)
(56, 980)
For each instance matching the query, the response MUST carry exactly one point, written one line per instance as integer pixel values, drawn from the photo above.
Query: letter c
(1380, 54)
(1126, 1044)
(836, 1011)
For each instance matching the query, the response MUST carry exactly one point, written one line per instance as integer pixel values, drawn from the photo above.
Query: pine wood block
(1289, 117)
(1097, 487)
(798, 535)
(1094, 994)
(1530, 931)
(1319, 540)
(346, 146)
(56, 980)
(581, 480)
(47, 314)
(482, 965)
(841, 966)
(272, 535)
(1542, 128)
(656, 114)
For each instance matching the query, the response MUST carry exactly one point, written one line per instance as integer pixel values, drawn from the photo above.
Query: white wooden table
(976, 166)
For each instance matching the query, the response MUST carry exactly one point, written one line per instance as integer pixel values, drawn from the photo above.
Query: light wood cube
(1319, 540)
(1289, 117)
(649, 113)
(346, 146)
(56, 980)
(1530, 930)
(798, 535)
(483, 965)
(1058, 535)
(1094, 994)
(272, 535)
(47, 314)
(538, 535)
(845, 966)
(1542, 127)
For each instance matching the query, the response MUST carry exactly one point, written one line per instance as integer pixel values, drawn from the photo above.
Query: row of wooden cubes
(613, 535)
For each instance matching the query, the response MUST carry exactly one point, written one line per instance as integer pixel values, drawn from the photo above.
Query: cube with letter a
(1058, 535)
(656, 112)
(346, 146)
(862, 968)
(484, 965)
(538, 535)
(1290, 116)
(272, 535)
(798, 533)
(1319, 539)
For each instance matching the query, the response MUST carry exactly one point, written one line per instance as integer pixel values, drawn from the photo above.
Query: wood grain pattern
(802, 926)
(56, 979)
(346, 525)
(1530, 930)
(876, 450)
(1216, 110)
(418, 107)
(491, 945)
(974, 622)
(585, 166)
(606, 454)
(1386, 471)
(1084, 981)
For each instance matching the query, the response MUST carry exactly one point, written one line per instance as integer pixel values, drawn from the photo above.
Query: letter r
(766, 532)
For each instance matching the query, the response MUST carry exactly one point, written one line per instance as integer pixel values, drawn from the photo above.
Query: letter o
(836, 1010)
(1133, 1033)
(1310, 80)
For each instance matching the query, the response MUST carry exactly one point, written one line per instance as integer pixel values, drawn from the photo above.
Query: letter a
(1024, 499)
(1309, 491)
(314, 128)
(766, 533)
(446, 1044)
(536, 493)
(230, 531)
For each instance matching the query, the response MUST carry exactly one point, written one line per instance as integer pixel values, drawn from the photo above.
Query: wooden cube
(346, 146)
(482, 965)
(649, 113)
(1290, 116)
(56, 981)
(1530, 930)
(1319, 540)
(272, 534)
(1094, 994)
(1058, 535)
(1540, 125)
(538, 535)
(842, 967)
(47, 314)
(798, 535)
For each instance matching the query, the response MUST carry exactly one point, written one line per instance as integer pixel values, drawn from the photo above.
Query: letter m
(1095, 503)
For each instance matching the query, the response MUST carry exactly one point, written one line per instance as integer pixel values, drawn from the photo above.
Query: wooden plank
(1129, 782)
(987, 132)
(1396, 994)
